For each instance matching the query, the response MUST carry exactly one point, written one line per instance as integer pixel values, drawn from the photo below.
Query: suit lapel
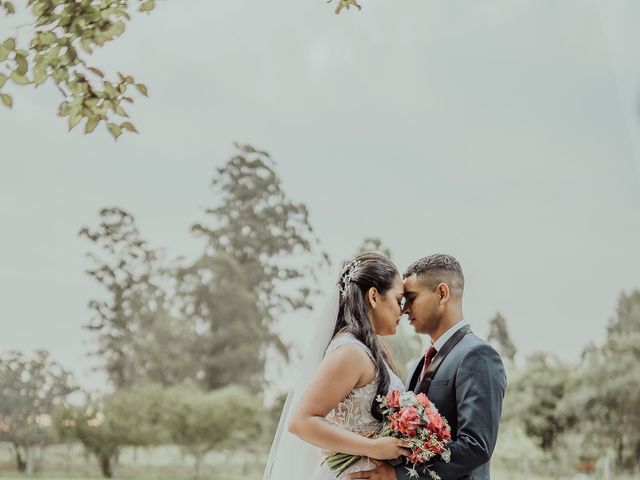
(414, 373)
(423, 386)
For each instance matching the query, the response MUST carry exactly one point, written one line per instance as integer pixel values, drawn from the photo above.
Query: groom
(460, 373)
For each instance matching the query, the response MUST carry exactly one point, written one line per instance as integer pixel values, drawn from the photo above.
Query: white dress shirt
(438, 344)
(443, 339)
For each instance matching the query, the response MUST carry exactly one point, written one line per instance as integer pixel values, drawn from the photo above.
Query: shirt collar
(448, 334)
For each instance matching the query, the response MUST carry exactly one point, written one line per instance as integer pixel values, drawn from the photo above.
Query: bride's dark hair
(368, 270)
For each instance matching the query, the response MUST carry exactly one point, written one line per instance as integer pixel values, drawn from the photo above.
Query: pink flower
(415, 456)
(406, 421)
(433, 447)
(438, 426)
(422, 398)
(435, 422)
(393, 398)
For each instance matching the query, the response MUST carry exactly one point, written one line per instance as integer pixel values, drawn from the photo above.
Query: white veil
(291, 457)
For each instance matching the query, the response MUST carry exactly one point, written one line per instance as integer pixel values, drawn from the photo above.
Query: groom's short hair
(436, 269)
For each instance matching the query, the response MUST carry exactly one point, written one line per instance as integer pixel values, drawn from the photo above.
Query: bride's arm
(339, 373)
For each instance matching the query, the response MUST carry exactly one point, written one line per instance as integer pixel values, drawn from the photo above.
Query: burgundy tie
(428, 356)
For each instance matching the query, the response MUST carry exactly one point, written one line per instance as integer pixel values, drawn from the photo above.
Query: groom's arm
(480, 385)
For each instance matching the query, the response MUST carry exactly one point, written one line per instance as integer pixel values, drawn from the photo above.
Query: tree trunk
(606, 469)
(620, 451)
(29, 466)
(199, 465)
(68, 459)
(105, 466)
(20, 463)
(40, 460)
(115, 465)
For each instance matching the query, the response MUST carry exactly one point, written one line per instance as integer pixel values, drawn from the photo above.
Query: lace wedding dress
(354, 411)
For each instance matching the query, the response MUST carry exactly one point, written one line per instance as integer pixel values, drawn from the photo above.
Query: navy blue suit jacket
(467, 389)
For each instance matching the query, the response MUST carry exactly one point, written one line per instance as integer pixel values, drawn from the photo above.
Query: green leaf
(92, 122)
(117, 29)
(47, 38)
(8, 6)
(86, 45)
(21, 60)
(97, 72)
(3, 80)
(53, 54)
(74, 119)
(40, 73)
(6, 99)
(129, 126)
(110, 90)
(60, 75)
(78, 87)
(120, 111)
(65, 59)
(4, 53)
(91, 102)
(142, 89)
(147, 6)
(64, 109)
(9, 44)
(19, 79)
(115, 130)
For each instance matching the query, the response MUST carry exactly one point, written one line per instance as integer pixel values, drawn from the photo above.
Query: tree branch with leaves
(64, 34)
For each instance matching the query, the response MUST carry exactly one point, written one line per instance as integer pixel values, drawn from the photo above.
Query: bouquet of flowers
(413, 418)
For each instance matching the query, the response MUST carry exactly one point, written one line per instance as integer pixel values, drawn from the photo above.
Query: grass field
(169, 463)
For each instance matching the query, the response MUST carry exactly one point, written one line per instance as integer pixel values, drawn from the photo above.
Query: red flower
(406, 421)
(393, 398)
(415, 456)
(435, 422)
(433, 447)
(422, 398)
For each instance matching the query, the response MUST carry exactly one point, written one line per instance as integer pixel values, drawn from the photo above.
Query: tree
(606, 389)
(231, 347)
(259, 262)
(499, 335)
(372, 244)
(30, 390)
(64, 34)
(139, 339)
(131, 417)
(202, 421)
(534, 399)
(627, 318)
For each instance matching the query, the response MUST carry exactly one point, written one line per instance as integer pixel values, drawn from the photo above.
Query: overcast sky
(502, 132)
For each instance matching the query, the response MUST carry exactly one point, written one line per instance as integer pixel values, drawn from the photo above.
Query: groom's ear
(443, 293)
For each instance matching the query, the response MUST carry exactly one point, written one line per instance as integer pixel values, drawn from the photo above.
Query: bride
(333, 406)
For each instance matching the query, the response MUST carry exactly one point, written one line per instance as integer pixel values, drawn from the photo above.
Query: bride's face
(386, 312)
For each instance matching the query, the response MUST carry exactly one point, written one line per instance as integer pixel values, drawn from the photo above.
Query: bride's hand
(388, 448)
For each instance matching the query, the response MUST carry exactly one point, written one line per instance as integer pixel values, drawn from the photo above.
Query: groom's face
(421, 305)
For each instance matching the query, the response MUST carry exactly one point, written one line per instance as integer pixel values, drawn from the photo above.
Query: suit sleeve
(480, 385)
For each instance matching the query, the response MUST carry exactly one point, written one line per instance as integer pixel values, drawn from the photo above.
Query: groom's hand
(383, 471)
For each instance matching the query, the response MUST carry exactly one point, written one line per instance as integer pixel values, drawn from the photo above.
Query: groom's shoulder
(473, 346)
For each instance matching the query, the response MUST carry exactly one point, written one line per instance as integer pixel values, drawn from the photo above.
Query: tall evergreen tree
(499, 336)
(259, 262)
